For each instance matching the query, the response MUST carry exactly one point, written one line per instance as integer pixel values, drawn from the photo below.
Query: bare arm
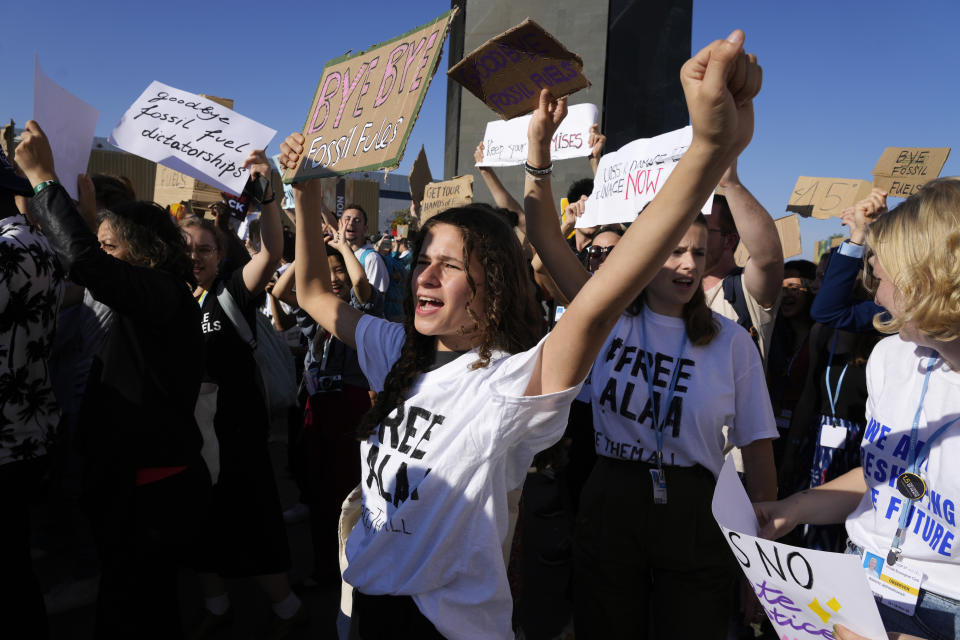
(597, 142)
(258, 272)
(358, 275)
(719, 84)
(283, 290)
(763, 275)
(759, 471)
(313, 273)
(829, 503)
(501, 196)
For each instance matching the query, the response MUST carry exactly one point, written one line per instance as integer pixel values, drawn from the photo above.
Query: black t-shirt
(852, 397)
(230, 362)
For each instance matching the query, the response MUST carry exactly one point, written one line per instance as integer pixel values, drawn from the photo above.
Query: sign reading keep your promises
(366, 104)
(191, 134)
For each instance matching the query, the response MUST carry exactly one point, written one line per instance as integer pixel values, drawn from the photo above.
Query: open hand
(719, 84)
(543, 124)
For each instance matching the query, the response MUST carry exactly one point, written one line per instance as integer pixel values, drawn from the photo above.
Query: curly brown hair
(510, 322)
(152, 236)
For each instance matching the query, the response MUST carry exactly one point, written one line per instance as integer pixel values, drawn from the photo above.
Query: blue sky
(842, 80)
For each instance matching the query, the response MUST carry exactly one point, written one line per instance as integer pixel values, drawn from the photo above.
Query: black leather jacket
(138, 409)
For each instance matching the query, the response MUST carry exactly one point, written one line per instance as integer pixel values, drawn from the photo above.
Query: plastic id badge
(831, 435)
(659, 479)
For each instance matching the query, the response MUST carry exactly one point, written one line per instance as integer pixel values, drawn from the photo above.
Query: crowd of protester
(420, 381)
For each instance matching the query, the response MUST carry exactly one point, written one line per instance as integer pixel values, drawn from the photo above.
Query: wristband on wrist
(43, 185)
(536, 173)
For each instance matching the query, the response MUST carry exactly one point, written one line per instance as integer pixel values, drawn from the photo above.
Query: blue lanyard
(915, 458)
(832, 396)
(660, 422)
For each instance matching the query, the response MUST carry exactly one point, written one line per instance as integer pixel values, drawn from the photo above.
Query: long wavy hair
(511, 320)
(152, 237)
(698, 320)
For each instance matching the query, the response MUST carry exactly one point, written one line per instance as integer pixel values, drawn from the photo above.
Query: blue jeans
(935, 618)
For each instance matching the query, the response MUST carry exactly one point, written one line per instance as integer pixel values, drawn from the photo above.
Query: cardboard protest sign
(366, 104)
(788, 228)
(824, 198)
(803, 592)
(628, 179)
(508, 71)
(505, 141)
(901, 171)
(69, 123)
(420, 176)
(191, 134)
(439, 196)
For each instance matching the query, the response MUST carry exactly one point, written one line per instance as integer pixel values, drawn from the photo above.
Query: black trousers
(21, 606)
(389, 618)
(650, 570)
(143, 536)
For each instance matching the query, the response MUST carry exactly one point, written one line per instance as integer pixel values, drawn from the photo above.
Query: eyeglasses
(202, 250)
(598, 252)
(795, 288)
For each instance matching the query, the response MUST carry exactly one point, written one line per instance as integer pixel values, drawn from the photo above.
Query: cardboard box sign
(901, 171)
(788, 228)
(440, 196)
(824, 198)
(508, 71)
(420, 176)
(366, 104)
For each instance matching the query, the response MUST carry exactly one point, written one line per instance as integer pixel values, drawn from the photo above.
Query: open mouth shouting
(427, 305)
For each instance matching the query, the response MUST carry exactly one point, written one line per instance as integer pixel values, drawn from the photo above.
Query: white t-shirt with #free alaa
(721, 383)
(435, 479)
(895, 374)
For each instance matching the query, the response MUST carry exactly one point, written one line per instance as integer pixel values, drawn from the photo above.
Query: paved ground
(543, 612)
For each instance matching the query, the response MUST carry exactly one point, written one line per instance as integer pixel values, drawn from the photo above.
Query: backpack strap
(363, 258)
(235, 315)
(733, 293)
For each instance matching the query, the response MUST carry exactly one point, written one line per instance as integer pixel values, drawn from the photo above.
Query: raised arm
(597, 142)
(283, 290)
(719, 84)
(501, 196)
(833, 304)
(358, 275)
(314, 293)
(258, 272)
(763, 274)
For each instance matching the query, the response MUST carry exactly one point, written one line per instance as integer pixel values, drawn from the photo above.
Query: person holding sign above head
(901, 505)
(145, 482)
(245, 535)
(669, 376)
(467, 394)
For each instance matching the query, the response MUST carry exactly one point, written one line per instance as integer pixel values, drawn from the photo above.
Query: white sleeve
(376, 271)
(533, 422)
(753, 419)
(378, 347)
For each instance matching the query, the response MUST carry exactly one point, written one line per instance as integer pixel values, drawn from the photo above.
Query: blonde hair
(918, 245)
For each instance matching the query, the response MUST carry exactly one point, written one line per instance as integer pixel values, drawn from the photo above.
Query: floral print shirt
(31, 282)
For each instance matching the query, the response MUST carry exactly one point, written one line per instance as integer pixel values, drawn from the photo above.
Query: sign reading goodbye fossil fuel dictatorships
(508, 71)
(191, 134)
(366, 104)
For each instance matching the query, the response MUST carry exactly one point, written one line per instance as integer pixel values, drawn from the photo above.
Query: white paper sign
(192, 135)
(803, 592)
(629, 178)
(505, 141)
(69, 123)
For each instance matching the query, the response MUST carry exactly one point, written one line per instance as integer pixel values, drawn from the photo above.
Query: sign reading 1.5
(824, 198)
